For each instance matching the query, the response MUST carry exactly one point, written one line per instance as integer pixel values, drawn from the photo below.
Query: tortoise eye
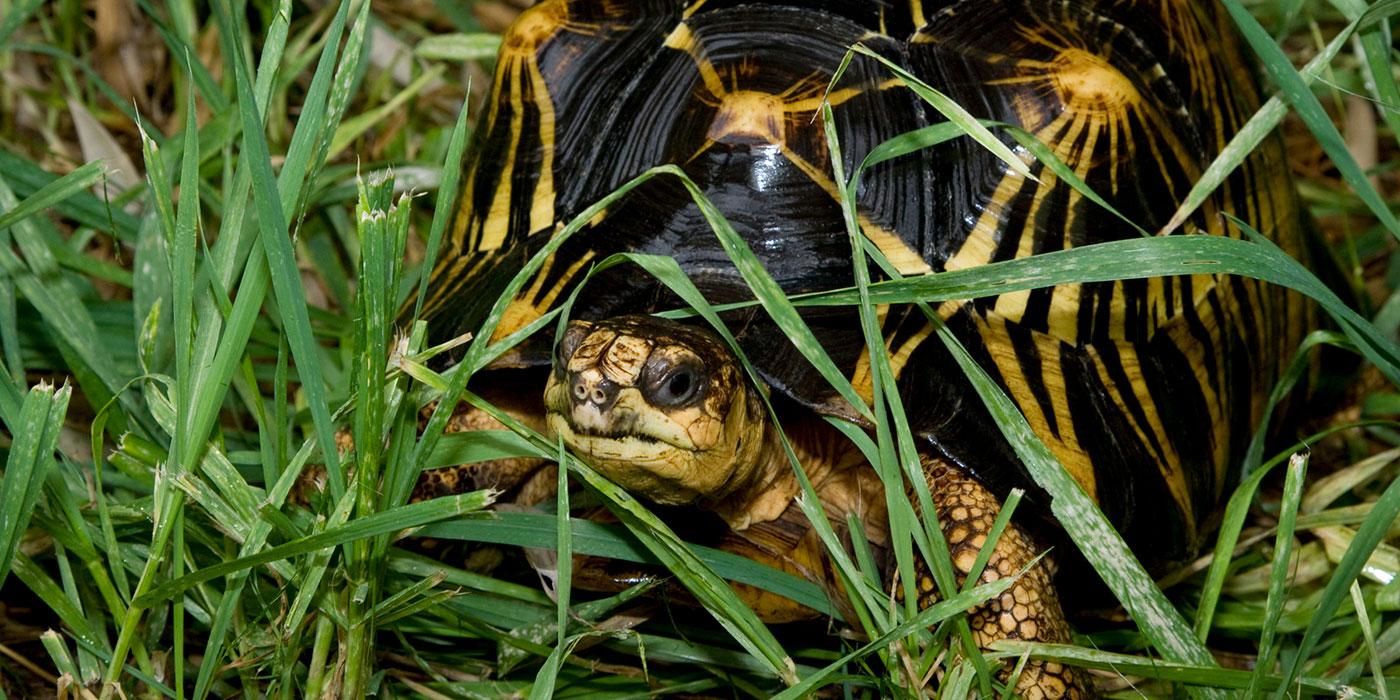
(573, 337)
(675, 385)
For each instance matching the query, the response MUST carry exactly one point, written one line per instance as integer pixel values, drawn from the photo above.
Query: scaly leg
(1030, 609)
(525, 480)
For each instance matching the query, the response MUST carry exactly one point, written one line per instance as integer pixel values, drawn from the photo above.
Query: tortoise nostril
(596, 390)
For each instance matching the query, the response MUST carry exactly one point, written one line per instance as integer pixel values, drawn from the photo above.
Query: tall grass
(179, 352)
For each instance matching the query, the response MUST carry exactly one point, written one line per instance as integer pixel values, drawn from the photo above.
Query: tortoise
(1147, 390)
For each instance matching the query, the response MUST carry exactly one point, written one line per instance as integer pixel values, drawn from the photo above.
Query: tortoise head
(661, 408)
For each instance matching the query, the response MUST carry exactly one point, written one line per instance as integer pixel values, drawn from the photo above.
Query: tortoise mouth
(614, 435)
(627, 433)
(643, 464)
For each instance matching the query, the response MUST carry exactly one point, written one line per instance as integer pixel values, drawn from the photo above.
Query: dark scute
(1132, 492)
(1033, 369)
(945, 408)
(473, 300)
(892, 17)
(666, 112)
(1181, 406)
(790, 222)
(616, 122)
(964, 58)
(592, 78)
(963, 173)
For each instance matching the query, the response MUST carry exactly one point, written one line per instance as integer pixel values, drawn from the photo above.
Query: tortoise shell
(1145, 389)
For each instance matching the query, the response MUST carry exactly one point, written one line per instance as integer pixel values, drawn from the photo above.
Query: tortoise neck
(832, 464)
(759, 489)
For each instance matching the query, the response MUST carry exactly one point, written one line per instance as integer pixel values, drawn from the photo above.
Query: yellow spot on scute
(747, 116)
(1089, 83)
(534, 27)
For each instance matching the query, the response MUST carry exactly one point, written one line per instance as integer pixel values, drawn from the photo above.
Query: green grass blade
(1278, 576)
(1248, 137)
(14, 370)
(1126, 664)
(478, 446)
(16, 17)
(82, 207)
(1368, 536)
(521, 529)
(304, 158)
(286, 279)
(459, 47)
(37, 580)
(182, 275)
(1382, 80)
(183, 52)
(58, 653)
(446, 203)
(893, 460)
(1296, 372)
(544, 685)
(716, 596)
(1133, 259)
(1363, 619)
(351, 63)
(62, 309)
(547, 676)
(1376, 55)
(354, 127)
(953, 112)
(393, 520)
(27, 464)
(564, 552)
(899, 459)
(225, 354)
(55, 192)
(1237, 509)
(1378, 13)
(1295, 90)
(927, 617)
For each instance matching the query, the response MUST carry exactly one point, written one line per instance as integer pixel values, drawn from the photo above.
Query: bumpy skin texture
(523, 480)
(608, 401)
(1030, 609)
(526, 480)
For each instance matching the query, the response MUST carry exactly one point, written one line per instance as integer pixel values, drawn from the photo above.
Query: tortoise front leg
(1030, 609)
(524, 481)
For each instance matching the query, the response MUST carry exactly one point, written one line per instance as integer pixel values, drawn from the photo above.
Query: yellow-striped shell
(1146, 390)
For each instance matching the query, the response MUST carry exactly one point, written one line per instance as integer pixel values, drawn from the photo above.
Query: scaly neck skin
(765, 488)
(845, 483)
